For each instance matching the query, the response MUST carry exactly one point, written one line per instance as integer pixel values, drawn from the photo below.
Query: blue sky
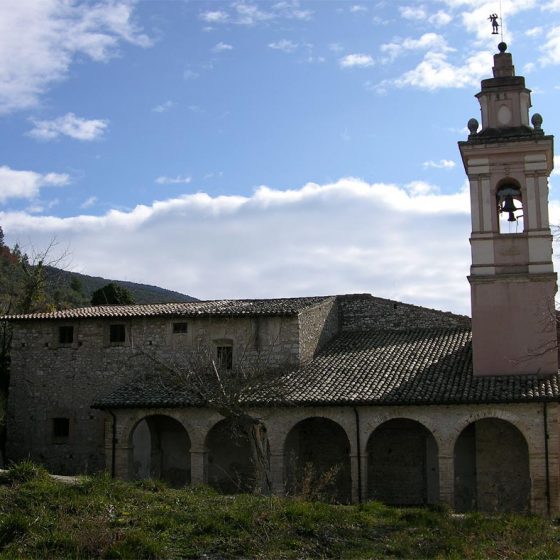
(257, 149)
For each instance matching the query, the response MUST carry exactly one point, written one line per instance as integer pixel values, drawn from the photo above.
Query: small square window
(61, 427)
(117, 333)
(225, 356)
(179, 328)
(66, 334)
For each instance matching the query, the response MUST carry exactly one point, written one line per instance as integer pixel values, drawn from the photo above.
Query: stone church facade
(405, 404)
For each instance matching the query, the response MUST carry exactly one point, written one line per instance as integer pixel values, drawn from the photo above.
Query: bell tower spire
(512, 279)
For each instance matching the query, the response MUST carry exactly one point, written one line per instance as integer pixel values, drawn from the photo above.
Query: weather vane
(495, 25)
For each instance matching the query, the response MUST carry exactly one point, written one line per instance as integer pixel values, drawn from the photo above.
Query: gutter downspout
(358, 445)
(113, 443)
(547, 470)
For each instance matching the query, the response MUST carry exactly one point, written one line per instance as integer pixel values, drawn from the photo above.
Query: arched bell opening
(231, 467)
(403, 464)
(317, 461)
(160, 450)
(491, 465)
(509, 203)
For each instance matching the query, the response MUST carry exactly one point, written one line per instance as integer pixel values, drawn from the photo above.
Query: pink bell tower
(513, 283)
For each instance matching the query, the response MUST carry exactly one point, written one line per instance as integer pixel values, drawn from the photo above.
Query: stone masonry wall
(316, 327)
(363, 311)
(50, 380)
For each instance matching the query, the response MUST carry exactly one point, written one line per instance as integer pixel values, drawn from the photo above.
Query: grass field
(101, 518)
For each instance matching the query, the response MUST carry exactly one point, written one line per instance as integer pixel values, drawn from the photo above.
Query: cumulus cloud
(89, 202)
(441, 164)
(428, 41)
(221, 47)
(69, 125)
(178, 180)
(214, 16)
(551, 47)
(356, 60)
(404, 242)
(27, 184)
(40, 40)
(284, 45)
(357, 8)
(435, 71)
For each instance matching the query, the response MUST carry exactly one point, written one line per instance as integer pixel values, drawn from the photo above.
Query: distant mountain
(82, 286)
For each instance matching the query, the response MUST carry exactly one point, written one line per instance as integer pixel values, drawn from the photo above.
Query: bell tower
(513, 283)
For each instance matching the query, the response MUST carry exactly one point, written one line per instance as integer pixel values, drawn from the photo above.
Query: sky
(250, 149)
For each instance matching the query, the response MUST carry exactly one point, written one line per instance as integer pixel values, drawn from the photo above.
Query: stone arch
(160, 448)
(491, 466)
(402, 463)
(230, 467)
(317, 460)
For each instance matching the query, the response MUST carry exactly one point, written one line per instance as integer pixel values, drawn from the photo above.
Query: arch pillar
(446, 478)
(199, 463)
(277, 473)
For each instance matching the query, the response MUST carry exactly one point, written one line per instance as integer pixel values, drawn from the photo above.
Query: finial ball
(536, 120)
(502, 47)
(472, 126)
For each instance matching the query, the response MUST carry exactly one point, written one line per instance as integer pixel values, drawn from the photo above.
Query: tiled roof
(222, 307)
(423, 366)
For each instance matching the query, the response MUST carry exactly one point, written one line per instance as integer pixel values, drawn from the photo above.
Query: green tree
(112, 294)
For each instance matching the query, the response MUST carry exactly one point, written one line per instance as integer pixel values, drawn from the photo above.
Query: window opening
(510, 209)
(179, 328)
(66, 334)
(225, 356)
(117, 333)
(61, 427)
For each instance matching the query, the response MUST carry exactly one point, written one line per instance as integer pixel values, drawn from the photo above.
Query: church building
(399, 403)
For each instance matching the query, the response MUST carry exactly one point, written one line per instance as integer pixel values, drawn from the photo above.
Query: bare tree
(233, 389)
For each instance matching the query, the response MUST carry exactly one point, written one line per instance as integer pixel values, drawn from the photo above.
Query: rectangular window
(117, 334)
(61, 428)
(179, 328)
(66, 334)
(225, 356)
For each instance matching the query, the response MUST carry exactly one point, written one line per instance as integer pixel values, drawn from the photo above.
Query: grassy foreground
(101, 518)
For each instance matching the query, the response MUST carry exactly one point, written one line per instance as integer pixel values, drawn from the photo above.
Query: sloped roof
(222, 307)
(422, 366)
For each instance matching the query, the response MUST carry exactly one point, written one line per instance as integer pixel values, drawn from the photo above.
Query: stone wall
(363, 311)
(51, 380)
(317, 326)
(444, 424)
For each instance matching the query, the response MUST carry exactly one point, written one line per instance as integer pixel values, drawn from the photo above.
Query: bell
(509, 207)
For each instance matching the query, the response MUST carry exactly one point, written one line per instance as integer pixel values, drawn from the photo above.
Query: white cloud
(440, 18)
(69, 125)
(250, 14)
(357, 8)
(284, 45)
(215, 16)
(89, 202)
(164, 107)
(356, 60)
(432, 41)
(178, 180)
(27, 184)
(436, 72)
(551, 47)
(280, 243)
(413, 13)
(221, 47)
(40, 40)
(441, 164)
(534, 32)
